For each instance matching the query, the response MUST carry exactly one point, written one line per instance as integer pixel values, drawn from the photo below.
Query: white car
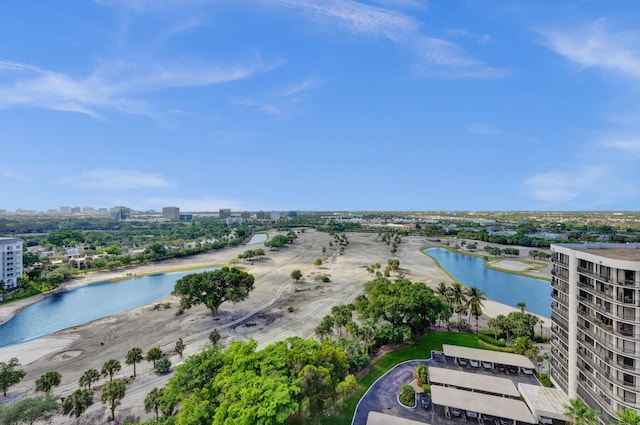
(527, 371)
(471, 414)
(474, 363)
(487, 365)
(462, 362)
(455, 412)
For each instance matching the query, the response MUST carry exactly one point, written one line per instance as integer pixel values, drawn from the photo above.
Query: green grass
(420, 350)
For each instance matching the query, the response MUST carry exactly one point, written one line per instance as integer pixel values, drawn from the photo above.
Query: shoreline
(276, 309)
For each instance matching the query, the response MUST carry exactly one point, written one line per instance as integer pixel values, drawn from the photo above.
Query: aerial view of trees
(213, 288)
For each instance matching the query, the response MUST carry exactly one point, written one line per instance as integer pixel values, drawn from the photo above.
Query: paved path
(383, 396)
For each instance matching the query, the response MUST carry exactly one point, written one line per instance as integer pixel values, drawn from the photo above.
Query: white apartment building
(596, 325)
(10, 262)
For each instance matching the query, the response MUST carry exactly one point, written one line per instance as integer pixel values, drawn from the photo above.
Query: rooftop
(547, 402)
(377, 418)
(487, 356)
(500, 407)
(8, 241)
(615, 251)
(473, 381)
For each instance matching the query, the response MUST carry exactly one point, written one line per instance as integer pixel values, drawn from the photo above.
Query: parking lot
(382, 396)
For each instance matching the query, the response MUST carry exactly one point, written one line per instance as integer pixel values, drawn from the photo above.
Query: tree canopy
(213, 288)
(10, 374)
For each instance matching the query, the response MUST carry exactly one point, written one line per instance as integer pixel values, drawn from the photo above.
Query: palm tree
(110, 368)
(154, 354)
(76, 403)
(152, 401)
(541, 323)
(458, 299)
(579, 413)
(134, 356)
(89, 377)
(493, 325)
(47, 381)
(112, 394)
(628, 417)
(521, 305)
(474, 303)
(442, 291)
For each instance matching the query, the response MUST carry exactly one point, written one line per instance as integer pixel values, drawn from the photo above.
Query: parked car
(455, 412)
(462, 362)
(471, 414)
(546, 421)
(488, 419)
(512, 369)
(501, 368)
(474, 363)
(487, 365)
(504, 421)
(527, 371)
(426, 403)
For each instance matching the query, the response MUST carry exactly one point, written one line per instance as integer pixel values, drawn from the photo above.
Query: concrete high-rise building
(172, 213)
(595, 333)
(10, 262)
(225, 212)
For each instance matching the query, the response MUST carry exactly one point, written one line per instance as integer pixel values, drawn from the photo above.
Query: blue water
(499, 286)
(84, 304)
(257, 238)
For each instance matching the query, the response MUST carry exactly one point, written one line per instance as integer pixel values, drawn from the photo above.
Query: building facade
(595, 332)
(120, 213)
(171, 213)
(10, 262)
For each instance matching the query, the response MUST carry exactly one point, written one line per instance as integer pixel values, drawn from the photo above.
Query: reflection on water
(499, 286)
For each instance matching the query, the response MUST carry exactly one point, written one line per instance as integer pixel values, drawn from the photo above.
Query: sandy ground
(264, 316)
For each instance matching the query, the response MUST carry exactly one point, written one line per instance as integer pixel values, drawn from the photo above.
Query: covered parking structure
(488, 356)
(484, 404)
(473, 381)
(547, 404)
(377, 418)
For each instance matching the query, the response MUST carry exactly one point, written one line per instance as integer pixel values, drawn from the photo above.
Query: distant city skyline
(278, 105)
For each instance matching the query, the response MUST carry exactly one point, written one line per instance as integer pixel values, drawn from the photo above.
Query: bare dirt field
(263, 316)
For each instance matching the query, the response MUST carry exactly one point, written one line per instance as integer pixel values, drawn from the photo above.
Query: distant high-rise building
(76, 210)
(225, 212)
(245, 215)
(595, 329)
(292, 214)
(261, 215)
(10, 262)
(89, 210)
(275, 215)
(120, 213)
(172, 213)
(65, 210)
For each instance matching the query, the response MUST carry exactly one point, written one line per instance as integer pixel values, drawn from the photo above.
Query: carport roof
(548, 402)
(474, 381)
(377, 418)
(500, 407)
(487, 356)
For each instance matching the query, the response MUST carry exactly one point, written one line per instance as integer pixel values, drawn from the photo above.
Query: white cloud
(627, 148)
(585, 187)
(116, 179)
(268, 108)
(112, 86)
(594, 45)
(303, 86)
(477, 38)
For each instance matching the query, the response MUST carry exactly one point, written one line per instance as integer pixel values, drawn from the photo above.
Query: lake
(85, 304)
(506, 288)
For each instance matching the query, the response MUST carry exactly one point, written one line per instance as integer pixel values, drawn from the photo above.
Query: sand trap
(67, 355)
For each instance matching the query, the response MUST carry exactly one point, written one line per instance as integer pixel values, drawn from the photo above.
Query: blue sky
(320, 104)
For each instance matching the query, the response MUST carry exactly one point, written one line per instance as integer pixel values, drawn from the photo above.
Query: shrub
(163, 365)
(326, 279)
(541, 339)
(490, 340)
(290, 309)
(407, 395)
(488, 346)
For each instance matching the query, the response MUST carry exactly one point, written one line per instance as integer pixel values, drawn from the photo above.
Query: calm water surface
(499, 286)
(84, 304)
(257, 238)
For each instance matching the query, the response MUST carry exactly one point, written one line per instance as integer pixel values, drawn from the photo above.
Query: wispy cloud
(477, 38)
(627, 148)
(116, 179)
(482, 128)
(268, 108)
(585, 187)
(595, 45)
(303, 86)
(112, 86)
(437, 57)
